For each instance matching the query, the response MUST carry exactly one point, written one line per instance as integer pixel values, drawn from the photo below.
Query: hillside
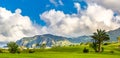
(50, 40)
(114, 34)
(54, 40)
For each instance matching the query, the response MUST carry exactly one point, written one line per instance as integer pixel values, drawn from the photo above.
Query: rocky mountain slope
(54, 40)
(50, 40)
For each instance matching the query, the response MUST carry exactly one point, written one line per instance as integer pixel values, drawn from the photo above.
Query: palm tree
(99, 37)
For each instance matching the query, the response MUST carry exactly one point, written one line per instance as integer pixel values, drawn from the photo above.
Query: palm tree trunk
(99, 47)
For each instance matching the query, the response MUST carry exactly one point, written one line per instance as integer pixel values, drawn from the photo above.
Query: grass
(57, 55)
(68, 52)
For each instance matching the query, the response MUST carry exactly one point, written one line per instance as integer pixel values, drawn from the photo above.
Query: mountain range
(113, 34)
(54, 40)
(50, 40)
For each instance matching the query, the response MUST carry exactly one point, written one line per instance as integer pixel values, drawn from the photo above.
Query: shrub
(31, 51)
(118, 46)
(102, 49)
(111, 51)
(19, 51)
(87, 43)
(81, 43)
(107, 43)
(1, 51)
(85, 50)
(43, 46)
(94, 46)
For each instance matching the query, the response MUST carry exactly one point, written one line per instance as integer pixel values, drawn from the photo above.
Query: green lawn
(57, 55)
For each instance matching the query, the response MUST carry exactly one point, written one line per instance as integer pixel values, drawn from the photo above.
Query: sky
(69, 18)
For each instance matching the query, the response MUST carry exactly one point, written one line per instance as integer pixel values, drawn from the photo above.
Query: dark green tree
(94, 46)
(13, 47)
(99, 37)
(37, 44)
(43, 46)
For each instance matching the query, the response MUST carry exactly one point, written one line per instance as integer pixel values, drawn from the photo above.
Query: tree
(13, 47)
(43, 46)
(99, 37)
(37, 44)
(94, 46)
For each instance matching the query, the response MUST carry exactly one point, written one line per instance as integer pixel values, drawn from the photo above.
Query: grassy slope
(68, 52)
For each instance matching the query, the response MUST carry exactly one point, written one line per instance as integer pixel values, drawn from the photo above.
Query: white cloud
(110, 4)
(85, 23)
(56, 2)
(53, 2)
(60, 2)
(77, 5)
(99, 14)
(14, 26)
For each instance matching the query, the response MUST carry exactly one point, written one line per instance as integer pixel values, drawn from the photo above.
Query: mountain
(54, 40)
(3, 44)
(79, 39)
(50, 40)
(114, 34)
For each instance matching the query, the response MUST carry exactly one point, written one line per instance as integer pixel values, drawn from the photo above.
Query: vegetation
(43, 46)
(1, 51)
(31, 51)
(107, 43)
(76, 51)
(85, 50)
(118, 38)
(13, 47)
(98, 38)
(82, 50)
(94, 46)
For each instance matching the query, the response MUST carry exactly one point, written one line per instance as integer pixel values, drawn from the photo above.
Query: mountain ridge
(51, 40)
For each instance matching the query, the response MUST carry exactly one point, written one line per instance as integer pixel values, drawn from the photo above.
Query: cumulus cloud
(14, 26)
(77, 5)
(110, 4)
(85, 23)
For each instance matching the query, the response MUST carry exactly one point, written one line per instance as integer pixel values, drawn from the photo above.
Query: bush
(1, 51)
(102, 49)
(19, 51)
(107, 43)
(31, 51)
(118, 46)
(94, 46)
(81, 43)
(87, 43)
(85, 50)
(112, 52)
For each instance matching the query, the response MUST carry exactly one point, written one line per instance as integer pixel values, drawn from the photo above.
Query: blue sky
(69, 18)
(36, 7)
